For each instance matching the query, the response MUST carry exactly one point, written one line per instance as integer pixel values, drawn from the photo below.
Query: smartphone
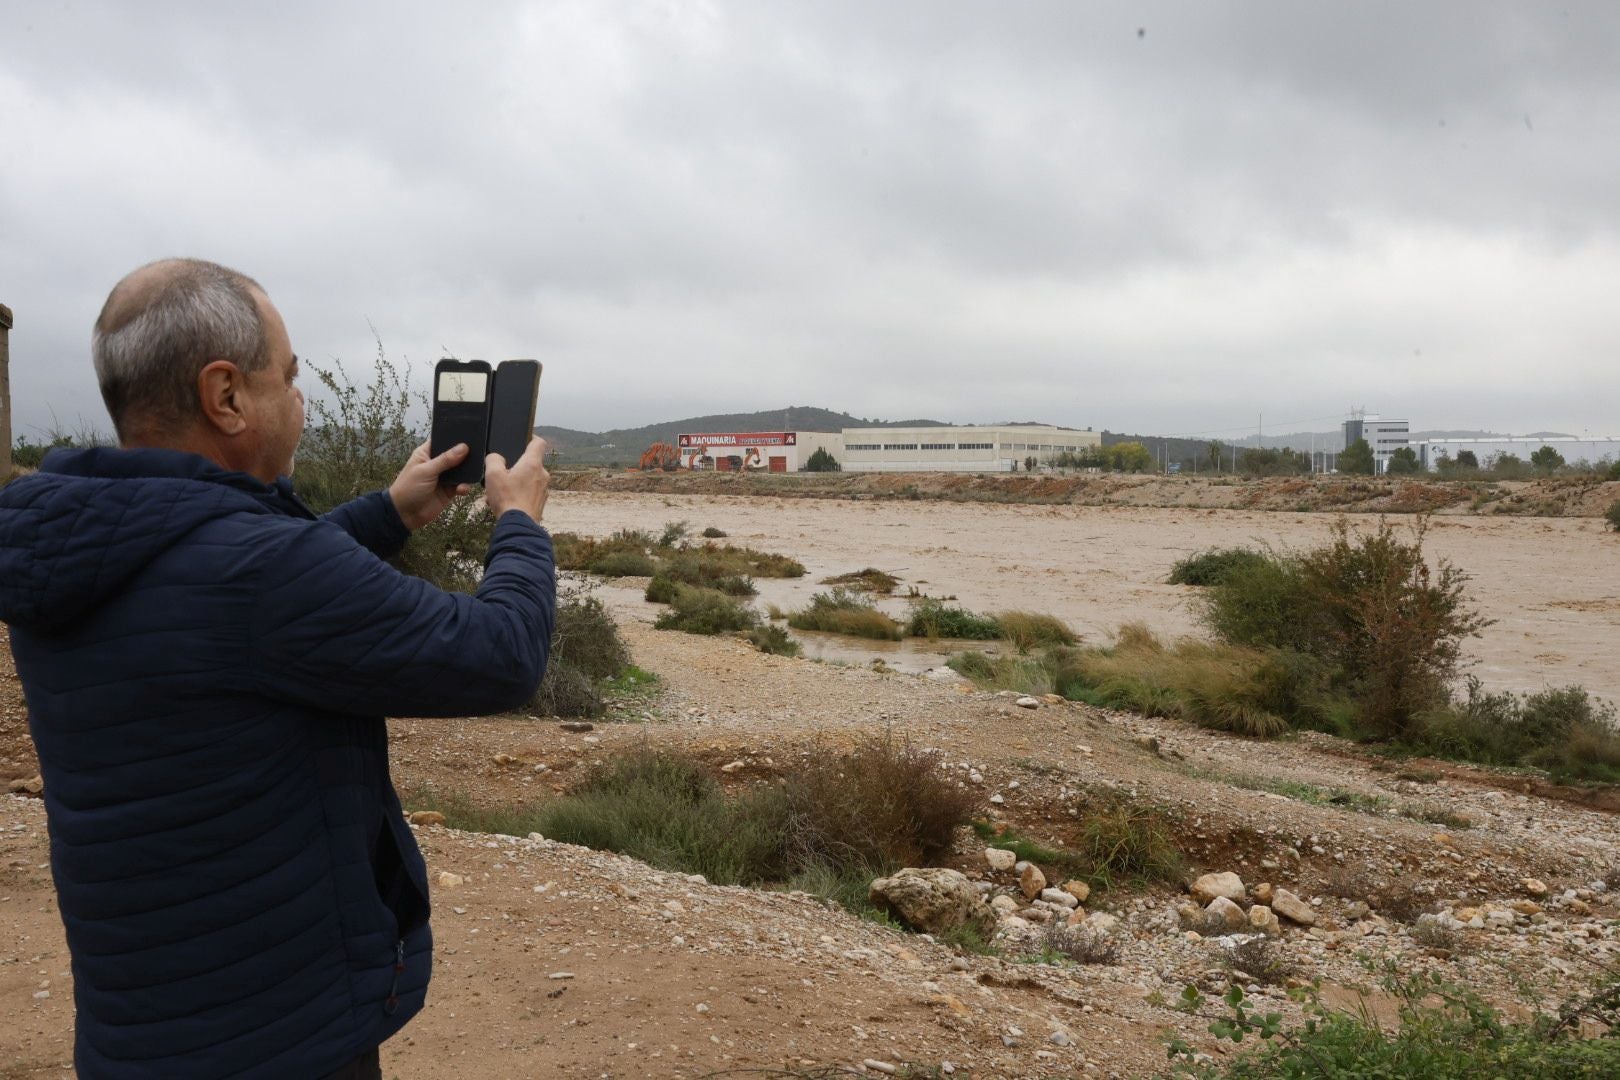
(461, 405)
(511, 416)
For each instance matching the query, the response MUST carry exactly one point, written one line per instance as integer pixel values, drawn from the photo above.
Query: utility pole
(5, 393)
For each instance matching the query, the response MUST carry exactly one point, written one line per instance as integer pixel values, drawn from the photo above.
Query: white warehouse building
(959, 449)
(1593, 451)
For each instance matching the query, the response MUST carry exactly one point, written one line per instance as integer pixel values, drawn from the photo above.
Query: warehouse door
(778, 464)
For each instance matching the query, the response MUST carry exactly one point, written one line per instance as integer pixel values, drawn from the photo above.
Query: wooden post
(5, 393)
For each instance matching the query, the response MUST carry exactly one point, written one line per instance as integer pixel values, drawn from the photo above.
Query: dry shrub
(883, 804)
(1260, 958)
(704, 611)
(870, 580)
(1081, 944)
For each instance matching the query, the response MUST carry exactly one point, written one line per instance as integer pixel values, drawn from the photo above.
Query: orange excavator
(661, 455)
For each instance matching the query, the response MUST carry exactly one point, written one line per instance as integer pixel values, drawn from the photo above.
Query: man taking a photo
(207, 666)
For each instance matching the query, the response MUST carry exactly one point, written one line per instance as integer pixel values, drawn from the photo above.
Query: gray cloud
(969, 211)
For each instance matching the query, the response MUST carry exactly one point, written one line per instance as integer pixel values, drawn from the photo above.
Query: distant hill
(624, 445)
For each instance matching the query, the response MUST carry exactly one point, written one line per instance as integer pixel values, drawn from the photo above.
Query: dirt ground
(558, 961)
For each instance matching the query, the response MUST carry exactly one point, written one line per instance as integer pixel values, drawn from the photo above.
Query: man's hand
(523, 486)
(418, 496)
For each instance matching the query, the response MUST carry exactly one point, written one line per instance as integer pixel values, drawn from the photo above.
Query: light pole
(5, 393)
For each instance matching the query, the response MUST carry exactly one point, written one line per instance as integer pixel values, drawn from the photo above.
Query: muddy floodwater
(1551, 584)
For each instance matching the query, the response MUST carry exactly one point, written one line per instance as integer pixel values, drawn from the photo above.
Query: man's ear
(221, 387)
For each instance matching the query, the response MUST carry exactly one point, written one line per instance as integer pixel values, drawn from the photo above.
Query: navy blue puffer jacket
(207, 665)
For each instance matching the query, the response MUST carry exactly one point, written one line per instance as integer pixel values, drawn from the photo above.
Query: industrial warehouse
(934, 448)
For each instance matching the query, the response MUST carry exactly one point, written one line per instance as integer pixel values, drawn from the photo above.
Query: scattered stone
(1000, 859)
(426, 817)
(447, 880)
(932, 899)
(1226, 914)
(997, 799)
(1534, 886)
(1028, 703)
(1292, 908)
(1211, 886)
(1264, 920)
(1102, 922)
(1262, 893)
(1077, 889)
(885, 1067)
(1003, 904)
(1059, 1038)
(33, 785)
(1356, 910)
(1053, 699)
(560, 975)
(503, 759)
(1031, 881)
(731, 767)
(1526, 907)
(576, 726)
(1060, 898)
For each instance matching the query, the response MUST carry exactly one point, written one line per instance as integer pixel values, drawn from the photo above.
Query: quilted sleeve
(337, 629)
(373, 522)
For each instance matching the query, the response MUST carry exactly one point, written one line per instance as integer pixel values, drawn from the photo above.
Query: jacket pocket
(401, 876)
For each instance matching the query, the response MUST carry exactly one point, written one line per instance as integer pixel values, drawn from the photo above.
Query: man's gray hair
(160, 327)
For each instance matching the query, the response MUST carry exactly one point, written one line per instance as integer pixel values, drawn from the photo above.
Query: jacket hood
(74, 533)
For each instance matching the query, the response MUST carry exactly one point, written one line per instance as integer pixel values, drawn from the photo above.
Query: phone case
(462, 391)
(511, 419)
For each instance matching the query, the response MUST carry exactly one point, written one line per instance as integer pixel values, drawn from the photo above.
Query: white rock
(1225, 884)
(1060, 898)
(1028, 703)
(1294, 909)
(1226, 914)
(1263, 919)
(1000, 859)
(447, 880)
(731, 767)
(997, 799)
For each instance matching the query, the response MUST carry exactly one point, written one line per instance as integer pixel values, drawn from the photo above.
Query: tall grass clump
(705, 611)
(1026, 630)
(843, 612)
(773, 641)
(1612, 514)
(708, 568)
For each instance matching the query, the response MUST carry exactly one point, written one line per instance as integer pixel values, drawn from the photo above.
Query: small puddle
(912, 656)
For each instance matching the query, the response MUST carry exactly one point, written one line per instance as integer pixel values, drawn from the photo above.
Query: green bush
(933, 619)
(1565, 731)
(586, 651)
(844, 612)
(1369, 607)
(713, 533)
(662, 589)
(622, 564)
(1212, 566)
(1612, 514)
(822, 461)
(1614, 471)
(830, 826)
(773, 640)
(1440, 1030)
(1124, 840)
(705, 611)
(705, 567)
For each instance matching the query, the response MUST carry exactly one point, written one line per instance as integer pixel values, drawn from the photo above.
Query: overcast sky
(1148, 217)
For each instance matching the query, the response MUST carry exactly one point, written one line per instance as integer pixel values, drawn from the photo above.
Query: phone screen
(465, 386)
